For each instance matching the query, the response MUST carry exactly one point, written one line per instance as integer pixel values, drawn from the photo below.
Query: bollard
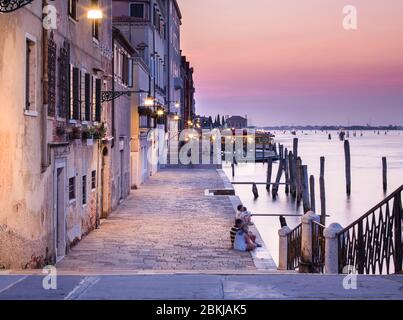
(283, 247)
(332, 248)
(305, 265)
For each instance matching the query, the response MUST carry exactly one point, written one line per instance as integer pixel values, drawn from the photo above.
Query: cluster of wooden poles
(298, 184)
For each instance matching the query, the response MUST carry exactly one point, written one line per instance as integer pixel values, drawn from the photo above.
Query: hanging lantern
(7, 6)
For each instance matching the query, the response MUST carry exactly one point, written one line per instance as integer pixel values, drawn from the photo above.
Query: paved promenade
(168, 224)
(269, 286)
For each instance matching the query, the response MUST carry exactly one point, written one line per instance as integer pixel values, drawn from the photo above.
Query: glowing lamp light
(177, 105)
(160, 112)
(176, 118)
(149, 102)
(95, 14)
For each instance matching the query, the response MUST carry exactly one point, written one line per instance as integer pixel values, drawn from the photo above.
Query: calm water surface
(366, 157)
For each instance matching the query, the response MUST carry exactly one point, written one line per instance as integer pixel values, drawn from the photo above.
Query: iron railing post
(361, 248)
(398, 215)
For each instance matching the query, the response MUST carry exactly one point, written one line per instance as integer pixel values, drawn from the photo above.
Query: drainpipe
(45, 89)
(168, 73)
(113, 90)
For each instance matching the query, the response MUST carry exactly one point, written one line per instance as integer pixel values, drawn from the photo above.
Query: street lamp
(95, 13)
(149, 102)
(160, 112)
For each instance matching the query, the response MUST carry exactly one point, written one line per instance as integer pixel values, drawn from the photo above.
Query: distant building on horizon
(237, 122)
(188, 93)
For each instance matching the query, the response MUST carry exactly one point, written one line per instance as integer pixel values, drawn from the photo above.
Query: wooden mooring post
(291, 164)
(312, 192)
(347, 154)
(305, 189)
(295, 148)
(269, 173)
(287, 172)
(385, 174)
(278, 178)
(296, 169)
(298, 180)
(322, 192)
(255, 191)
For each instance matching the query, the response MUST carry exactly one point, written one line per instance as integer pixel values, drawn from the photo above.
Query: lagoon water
(366, 157)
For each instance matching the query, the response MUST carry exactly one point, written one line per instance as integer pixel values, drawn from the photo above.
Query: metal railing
(294, 248)
(318, 247)
(373, 243)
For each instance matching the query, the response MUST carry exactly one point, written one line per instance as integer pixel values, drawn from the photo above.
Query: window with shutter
(82, 96)
(87, 112)
(98, 101)
(64, 82)
(137, 10)
(93, 104)
(130, 73)
(76, 94)
(71, 95)
(72, 8)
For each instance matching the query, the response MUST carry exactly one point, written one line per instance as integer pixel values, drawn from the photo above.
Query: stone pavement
(211, 287)
(167, 224)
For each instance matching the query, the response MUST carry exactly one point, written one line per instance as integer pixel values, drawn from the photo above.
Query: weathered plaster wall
(26, 193)
(25, 232)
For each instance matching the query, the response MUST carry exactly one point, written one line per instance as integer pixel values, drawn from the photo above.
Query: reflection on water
(366, 163)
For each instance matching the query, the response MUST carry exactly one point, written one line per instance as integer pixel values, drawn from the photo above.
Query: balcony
(128, 19)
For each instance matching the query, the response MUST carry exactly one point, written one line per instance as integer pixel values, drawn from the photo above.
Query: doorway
(122, 179)
(104, 184)
(60, 210)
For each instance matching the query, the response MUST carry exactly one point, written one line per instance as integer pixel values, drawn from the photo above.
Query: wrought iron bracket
(113, 95)
(7, 6)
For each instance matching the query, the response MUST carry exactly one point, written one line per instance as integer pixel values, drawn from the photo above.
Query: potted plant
(99, 132)
(75, 134)
(88, 136)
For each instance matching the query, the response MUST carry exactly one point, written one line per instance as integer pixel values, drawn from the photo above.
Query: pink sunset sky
(292, 62)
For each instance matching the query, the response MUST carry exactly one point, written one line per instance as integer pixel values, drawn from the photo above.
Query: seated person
(246, 216)
(236, 227)
(243, 241)
(251, 235)
(239, 212)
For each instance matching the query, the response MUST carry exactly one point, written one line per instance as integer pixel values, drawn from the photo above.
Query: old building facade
(188, 93)
(237, 122)
(79, 99)
(56, 136)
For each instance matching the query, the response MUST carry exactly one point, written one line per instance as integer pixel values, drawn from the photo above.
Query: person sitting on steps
(235, 228)
(244, 215)
(243, 241)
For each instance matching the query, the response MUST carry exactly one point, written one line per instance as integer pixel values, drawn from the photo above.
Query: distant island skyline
(332, 127)
(217, 121)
